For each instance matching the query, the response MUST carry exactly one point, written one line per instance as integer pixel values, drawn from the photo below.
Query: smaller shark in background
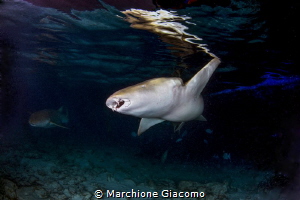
(49, 118)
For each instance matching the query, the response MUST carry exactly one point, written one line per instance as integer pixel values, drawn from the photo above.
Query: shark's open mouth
(118, 103)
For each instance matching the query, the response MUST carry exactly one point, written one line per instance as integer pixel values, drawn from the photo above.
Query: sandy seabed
(58, 172)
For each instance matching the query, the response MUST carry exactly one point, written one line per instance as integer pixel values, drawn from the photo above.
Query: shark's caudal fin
(65, 114)
(66, 119)
(146, 123)
(199, 81)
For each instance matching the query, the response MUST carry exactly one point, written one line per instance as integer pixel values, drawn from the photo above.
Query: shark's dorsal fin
(61, 126)
(64, 114)
(199, 81)
(146, 123)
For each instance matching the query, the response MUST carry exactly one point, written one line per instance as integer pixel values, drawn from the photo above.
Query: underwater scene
(149, 99)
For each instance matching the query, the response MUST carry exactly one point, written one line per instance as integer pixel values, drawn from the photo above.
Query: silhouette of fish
(49, 118)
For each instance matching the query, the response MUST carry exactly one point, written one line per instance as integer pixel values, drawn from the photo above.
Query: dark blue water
(53, 56)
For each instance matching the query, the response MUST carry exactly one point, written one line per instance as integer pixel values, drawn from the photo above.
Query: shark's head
(148, 99)
(131, 100)
(136, 100)
(39, 120)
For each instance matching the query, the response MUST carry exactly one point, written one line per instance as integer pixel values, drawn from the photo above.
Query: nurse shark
(164, 99)
(49, 118)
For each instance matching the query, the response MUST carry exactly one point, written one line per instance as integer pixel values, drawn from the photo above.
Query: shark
(48, 118)
(164, 99)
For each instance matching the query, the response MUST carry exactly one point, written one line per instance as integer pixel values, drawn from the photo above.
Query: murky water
(53, 56)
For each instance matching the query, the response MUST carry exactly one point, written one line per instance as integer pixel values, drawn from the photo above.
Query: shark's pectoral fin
(201, 118)
(199, 81)
(146, 123)
(58, 125)
(178, 126)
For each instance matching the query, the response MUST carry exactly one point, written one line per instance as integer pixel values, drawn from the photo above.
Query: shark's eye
(120, 103)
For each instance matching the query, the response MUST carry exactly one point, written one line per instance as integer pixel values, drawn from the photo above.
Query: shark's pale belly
(185, 111)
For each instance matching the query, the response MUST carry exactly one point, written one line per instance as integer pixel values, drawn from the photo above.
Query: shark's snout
(111, 103)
